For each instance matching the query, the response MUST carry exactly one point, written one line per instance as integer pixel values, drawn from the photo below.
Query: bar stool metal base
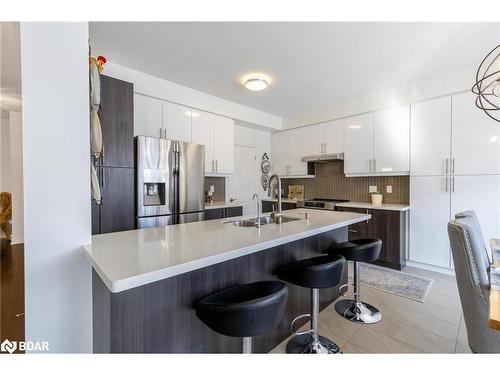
(358, 312)
(303, 344)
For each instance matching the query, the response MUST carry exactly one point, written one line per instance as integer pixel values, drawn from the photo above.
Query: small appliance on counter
(209, 195)
(321, 203)
(170, 177)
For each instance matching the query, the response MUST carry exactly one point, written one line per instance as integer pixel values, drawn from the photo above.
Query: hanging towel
(94, 185)
(95, 133)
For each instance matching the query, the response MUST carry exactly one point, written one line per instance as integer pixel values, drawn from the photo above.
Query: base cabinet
(388, 226)
(223, 213)
(267, 206)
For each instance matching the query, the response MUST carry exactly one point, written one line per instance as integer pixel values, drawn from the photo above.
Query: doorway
(245, 175)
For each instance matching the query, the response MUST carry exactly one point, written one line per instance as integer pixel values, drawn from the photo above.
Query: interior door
(279, 160)
(358, 144)
(148, 116)
(245, 176)
(481, 194)
(391, 139)
(476, 138)
(203, 134)
(429, 215)
(430, 137)
(224, 144)
(334, 136)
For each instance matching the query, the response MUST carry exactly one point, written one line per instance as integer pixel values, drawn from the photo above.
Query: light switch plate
(372, 189)
(388, 189)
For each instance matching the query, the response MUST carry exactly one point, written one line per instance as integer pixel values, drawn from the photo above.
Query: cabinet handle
(352, 230)
(370, 166)
(102, 177)
(453, 166)
(324, 147)
(446, 184)
(217, 166)
(446, 168)
(453, 184)
(374, 165)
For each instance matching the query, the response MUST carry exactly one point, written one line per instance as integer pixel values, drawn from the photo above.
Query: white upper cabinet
(299, 146)
(333, 137)
(391, 148)
(315, 139)
(279, 160)
(177, 122)
(430, 137)
(223, 144)
(358, 146)
(475, 138)
(148, 116)
(202, 127)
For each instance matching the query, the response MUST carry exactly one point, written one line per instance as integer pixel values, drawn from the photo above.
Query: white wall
(443, 84)
(149, 85)
(55, 110)
(16, 176)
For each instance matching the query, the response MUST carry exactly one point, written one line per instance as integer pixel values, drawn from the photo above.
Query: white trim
(16, 240)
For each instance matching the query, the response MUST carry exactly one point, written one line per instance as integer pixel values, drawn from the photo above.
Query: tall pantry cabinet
(455, 166)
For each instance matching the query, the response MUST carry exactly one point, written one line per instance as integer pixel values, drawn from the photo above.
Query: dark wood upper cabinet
(117, 211)
(117, 122)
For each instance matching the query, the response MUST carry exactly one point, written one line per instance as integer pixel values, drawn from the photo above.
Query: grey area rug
(391, 281)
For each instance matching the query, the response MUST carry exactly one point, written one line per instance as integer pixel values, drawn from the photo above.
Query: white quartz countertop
(126, 260)
(384, 206)
(210, 206)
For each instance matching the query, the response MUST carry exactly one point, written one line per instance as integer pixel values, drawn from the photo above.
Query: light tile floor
(435, 326)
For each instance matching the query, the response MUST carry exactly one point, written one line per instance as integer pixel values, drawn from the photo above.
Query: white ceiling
(312, 64)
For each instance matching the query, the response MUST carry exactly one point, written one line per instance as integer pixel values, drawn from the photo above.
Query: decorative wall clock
(265, 167)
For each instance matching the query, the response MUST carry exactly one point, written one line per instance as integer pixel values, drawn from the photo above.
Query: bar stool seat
(244, 310)
(360, 250)
(314, 273)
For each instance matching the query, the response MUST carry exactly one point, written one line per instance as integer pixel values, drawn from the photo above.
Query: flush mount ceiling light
(487, 86)
(256, 81)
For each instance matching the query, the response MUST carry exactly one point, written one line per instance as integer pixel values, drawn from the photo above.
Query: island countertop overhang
(125, 260)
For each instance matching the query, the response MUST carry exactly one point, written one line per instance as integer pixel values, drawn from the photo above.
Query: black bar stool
(244, 310)
(314, 273)
(361, 250)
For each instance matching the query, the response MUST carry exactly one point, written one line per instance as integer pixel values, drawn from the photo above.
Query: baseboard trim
(16, 241)
(446, 271)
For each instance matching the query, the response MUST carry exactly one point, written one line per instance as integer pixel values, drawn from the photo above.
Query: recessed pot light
(256, 81)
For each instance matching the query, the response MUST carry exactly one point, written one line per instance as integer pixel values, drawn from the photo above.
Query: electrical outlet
(388, 189)
(372, 189)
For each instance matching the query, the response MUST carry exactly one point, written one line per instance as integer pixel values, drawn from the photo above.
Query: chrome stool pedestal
(356, 310)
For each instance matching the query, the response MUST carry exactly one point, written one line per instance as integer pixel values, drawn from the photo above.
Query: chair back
(472, 273)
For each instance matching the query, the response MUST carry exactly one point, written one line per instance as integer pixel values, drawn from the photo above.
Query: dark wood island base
(160, 317)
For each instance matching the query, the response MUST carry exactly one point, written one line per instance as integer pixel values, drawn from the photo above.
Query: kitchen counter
(126, 260)
(215, 205)
(384, 206)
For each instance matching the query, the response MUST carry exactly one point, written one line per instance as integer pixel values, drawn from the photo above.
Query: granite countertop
(125, 260)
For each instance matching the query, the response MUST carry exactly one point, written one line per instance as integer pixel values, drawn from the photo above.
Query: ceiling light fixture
(256, 81)
(487, 86)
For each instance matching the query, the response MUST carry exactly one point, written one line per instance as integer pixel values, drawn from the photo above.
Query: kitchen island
(146, 282)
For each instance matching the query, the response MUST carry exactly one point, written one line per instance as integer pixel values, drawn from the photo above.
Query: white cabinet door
(279, 159)
(481, 194)
(298, 148)
(148, 116)
(177, 122)
(358, 144)
(315, 139)
(429, 215)
(391, 129)
(224, 144)
(475, 138)
(430, 137)
(202, 126)
(333, 136)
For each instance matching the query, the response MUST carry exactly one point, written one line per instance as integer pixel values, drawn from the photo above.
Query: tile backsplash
(330, 182)
(219, 184)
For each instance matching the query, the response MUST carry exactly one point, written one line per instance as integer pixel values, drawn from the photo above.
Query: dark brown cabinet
(117, 122)
(267, 206)
(115, 169)
(389, 226)
(223, 213)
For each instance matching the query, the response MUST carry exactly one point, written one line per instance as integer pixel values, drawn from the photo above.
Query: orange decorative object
(101, 59)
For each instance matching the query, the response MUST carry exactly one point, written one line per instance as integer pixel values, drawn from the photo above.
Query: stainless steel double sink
(263, 221)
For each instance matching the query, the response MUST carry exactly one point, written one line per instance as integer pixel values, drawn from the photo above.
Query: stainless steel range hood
(323, 158)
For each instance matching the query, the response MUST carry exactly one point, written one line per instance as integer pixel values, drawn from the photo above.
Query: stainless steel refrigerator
(170, 178)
